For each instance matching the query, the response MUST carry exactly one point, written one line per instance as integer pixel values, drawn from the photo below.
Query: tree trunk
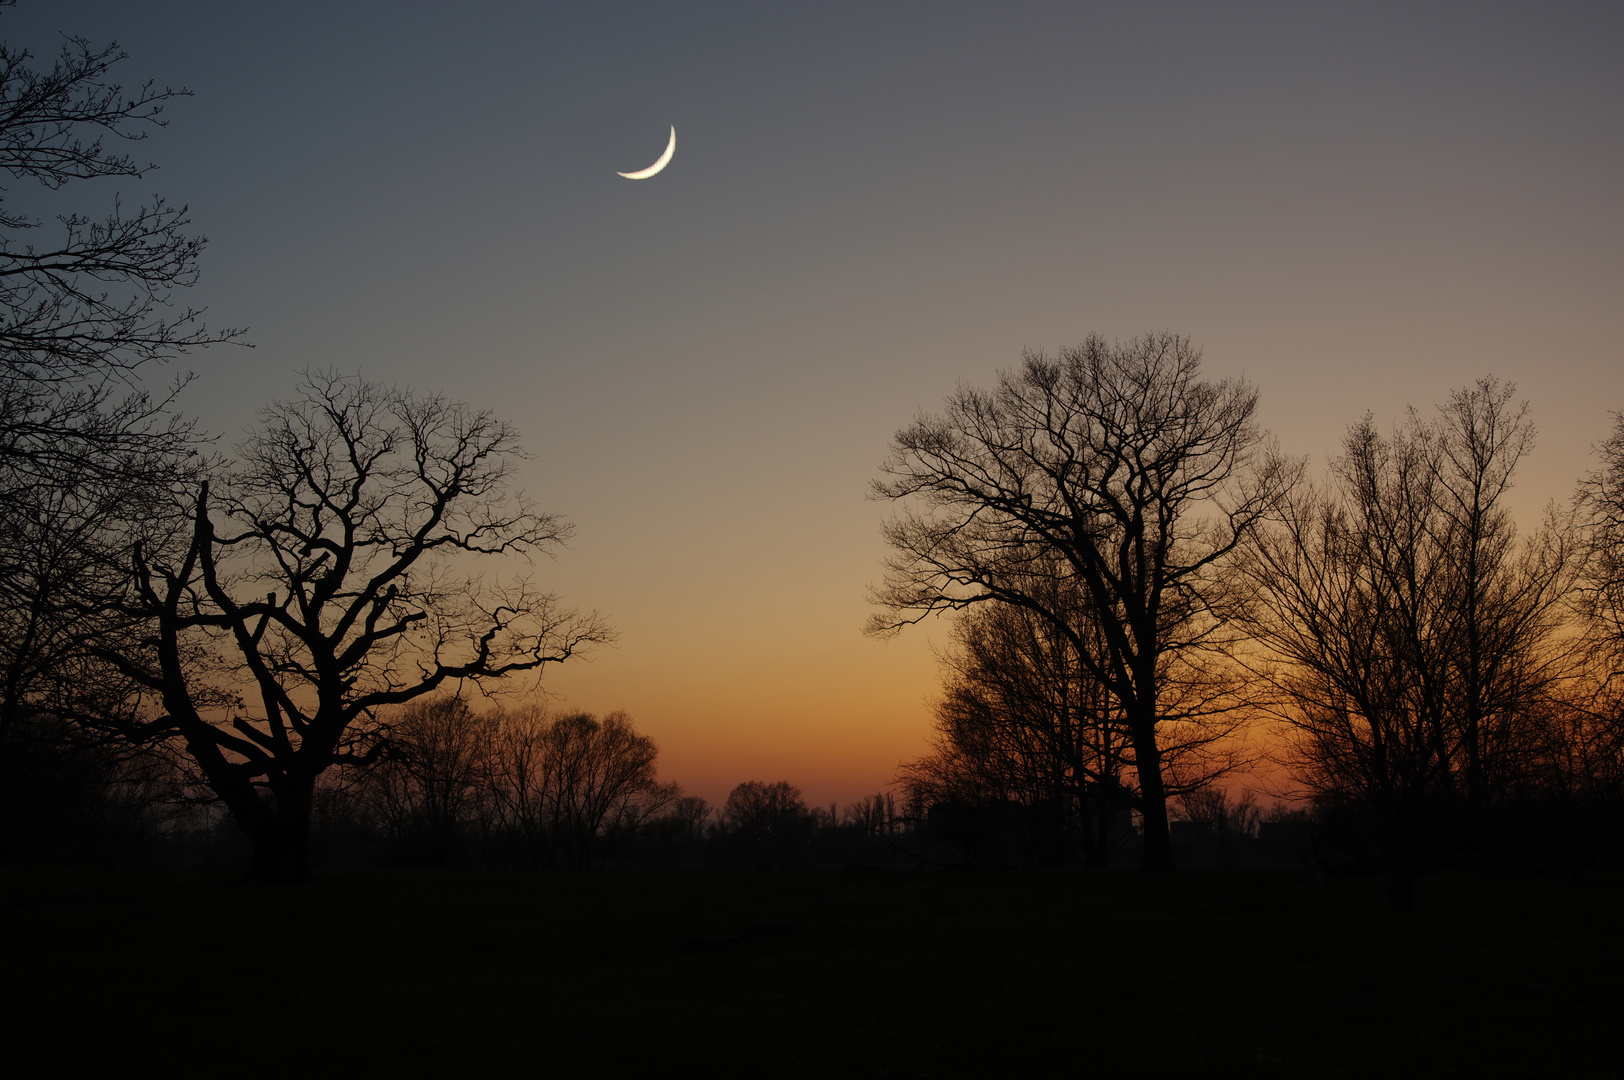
(281, 837)
(1158, 841)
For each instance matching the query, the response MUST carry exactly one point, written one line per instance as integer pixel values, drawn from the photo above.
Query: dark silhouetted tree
(1345, 586)
(431, 790)
(875, 815)
(1588, 762)
(1213, 809)
(768, 824)
(320, 575)
(1133, 478)
(573, 787)
(1601, 506)
(87, 453)
(64, 798)
(1412, 637)
(1506, 598)
(1022, 721)
(685, 820)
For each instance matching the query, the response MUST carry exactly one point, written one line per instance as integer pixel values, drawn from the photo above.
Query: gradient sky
(1357, 207)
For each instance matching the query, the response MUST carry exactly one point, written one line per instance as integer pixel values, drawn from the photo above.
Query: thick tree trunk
(281, 852)
(281, 837)
(1158, 841)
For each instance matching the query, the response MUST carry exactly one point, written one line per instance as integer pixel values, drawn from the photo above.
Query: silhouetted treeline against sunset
(1147, 597)
(1146, 592)
(517, 788)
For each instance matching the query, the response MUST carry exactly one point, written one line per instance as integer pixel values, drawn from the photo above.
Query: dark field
(1246, 973)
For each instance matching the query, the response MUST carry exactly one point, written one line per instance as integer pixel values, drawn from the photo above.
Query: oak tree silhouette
(324, 577)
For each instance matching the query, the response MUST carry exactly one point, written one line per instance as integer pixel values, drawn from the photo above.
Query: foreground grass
(1246, 973)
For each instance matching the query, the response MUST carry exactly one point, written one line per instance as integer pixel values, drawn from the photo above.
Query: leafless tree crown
(1414, 640)
(1117, 473)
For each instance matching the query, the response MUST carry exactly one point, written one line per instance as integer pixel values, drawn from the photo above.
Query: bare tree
(97, 299)
(572, 787)
(321, 577)
(1412, 638)
(519, 781)
(1588, 763)
(63, 578)
(1506, 596)
(769, 824)
(1344, 591)
(684, 821)
(1213, 809)
(875, 815)
(1601, 504)
(63, 797)
(87, 452)
(1021, 720)
(1136, 478)
(432, 789)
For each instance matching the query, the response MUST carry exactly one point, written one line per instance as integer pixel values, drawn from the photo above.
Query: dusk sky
(1357, 207)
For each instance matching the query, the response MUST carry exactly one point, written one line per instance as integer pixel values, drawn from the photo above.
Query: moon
(665, 159)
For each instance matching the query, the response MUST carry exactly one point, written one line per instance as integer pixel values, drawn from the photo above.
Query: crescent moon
(665, 159)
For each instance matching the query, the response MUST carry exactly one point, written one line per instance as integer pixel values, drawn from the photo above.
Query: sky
(1357, 207)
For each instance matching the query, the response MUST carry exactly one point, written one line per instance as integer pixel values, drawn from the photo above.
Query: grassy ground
(1246, 973)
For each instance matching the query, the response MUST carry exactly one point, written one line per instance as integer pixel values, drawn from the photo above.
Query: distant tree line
(520, 788)
(512, 788)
